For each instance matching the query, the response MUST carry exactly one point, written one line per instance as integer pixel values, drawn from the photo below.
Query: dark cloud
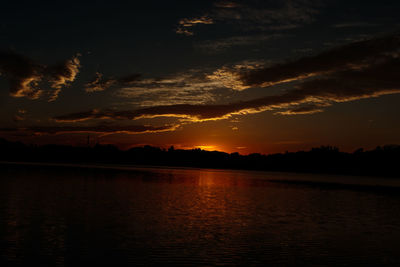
(100, 129)
(352, 56)
(343, 86)
(129, 79)
(24, 75)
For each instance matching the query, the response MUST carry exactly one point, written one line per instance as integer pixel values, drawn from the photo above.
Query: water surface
(68, 216)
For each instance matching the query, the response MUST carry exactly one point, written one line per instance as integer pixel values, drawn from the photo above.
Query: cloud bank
(360, 70)
(356, 55)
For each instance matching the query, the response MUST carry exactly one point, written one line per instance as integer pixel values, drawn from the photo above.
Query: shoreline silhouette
(381, 161)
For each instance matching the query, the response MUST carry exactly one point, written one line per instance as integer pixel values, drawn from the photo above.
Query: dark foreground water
(69, 216)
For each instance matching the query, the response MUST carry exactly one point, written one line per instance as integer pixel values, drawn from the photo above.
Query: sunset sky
(248, 76)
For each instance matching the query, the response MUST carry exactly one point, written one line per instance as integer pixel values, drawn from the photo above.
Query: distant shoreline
(380, 162)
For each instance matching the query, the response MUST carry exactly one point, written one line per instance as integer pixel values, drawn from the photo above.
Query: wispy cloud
(100, 83)
(193, 21)
(186, 24)
(229, 78)
(225, 43)
(181, 88)
(304, 109)
(196, 86)
(26, 76)
(62, 74)
(99, 129)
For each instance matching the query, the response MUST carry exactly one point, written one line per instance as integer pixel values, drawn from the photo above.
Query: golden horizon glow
(207, 147)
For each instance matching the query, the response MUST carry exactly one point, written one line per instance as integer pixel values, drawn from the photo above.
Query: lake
(127, 216)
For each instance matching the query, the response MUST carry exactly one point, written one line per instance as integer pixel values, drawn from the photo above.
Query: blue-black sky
(246, 76)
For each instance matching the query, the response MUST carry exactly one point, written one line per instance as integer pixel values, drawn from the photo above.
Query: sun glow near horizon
(209, 147)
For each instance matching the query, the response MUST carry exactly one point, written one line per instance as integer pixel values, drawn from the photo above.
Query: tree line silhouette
(381, 161)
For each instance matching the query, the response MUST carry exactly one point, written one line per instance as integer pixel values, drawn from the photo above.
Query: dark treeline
(381, 161)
